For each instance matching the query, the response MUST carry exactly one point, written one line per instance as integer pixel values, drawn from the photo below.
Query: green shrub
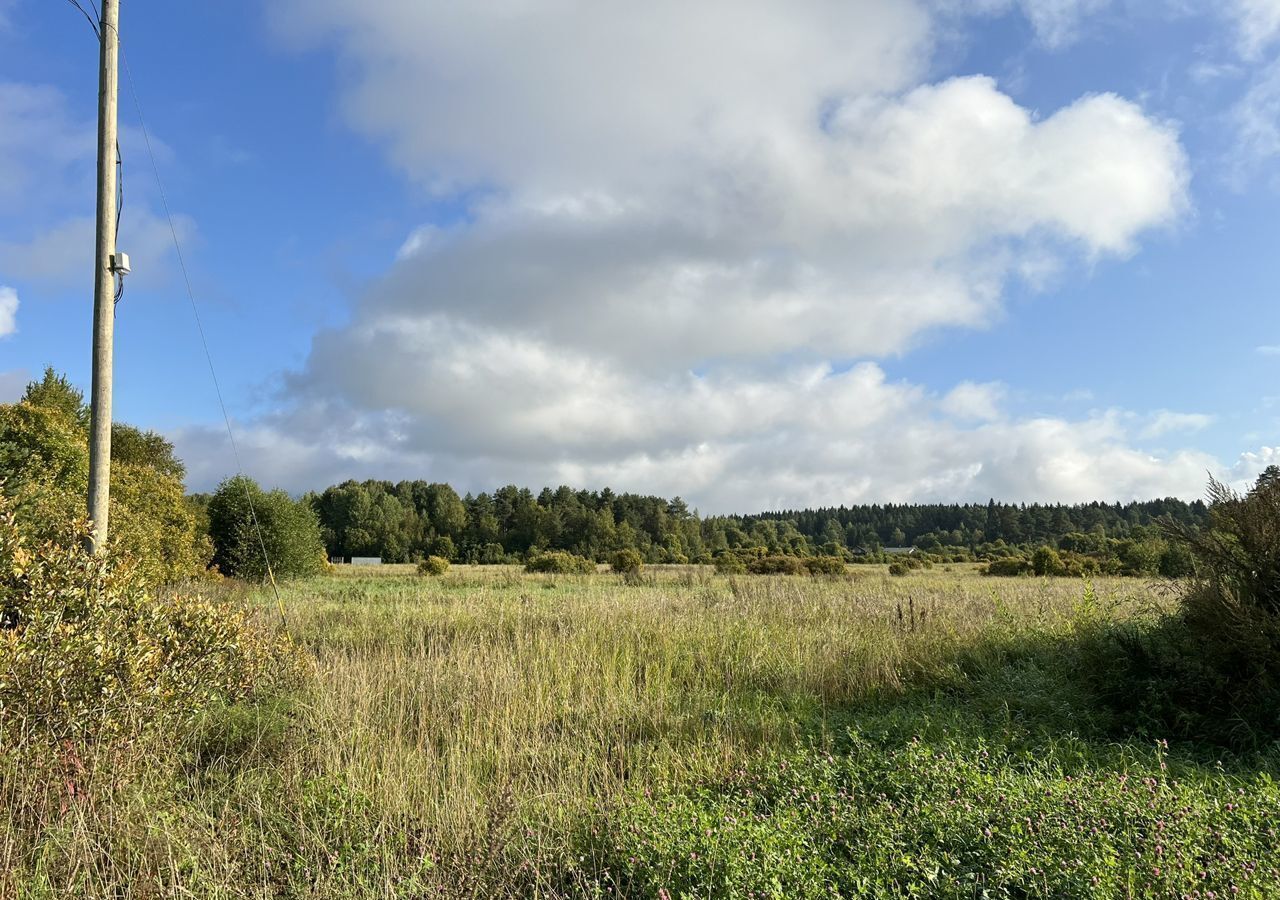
(558, 562)
(627, 562)
(492, 554)
(898, 568)
(1212, 670)
(89, 654)
(776, 565)
(433, 565)
(443, 547)
(289, 529)
(728, 563)
(1177, 561)
(1007, 567)
(1047, 561)
(825, 565)
(1141, 558)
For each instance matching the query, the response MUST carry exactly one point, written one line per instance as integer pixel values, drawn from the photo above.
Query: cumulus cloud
(831, 437)
(979, 402)
(692, 227)
(1250, 465)
(8, 311)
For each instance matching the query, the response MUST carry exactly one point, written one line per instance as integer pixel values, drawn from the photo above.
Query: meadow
(490, 733)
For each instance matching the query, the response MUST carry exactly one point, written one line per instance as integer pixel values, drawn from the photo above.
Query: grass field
(679, 734)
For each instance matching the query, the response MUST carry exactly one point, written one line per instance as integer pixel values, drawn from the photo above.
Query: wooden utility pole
(104, 288)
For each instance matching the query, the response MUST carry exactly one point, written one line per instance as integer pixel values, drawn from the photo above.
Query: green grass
(489, 733)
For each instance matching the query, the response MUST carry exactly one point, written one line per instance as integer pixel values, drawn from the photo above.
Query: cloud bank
(692, 232)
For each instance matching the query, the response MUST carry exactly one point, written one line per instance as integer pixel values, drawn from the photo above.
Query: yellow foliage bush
(88, 653)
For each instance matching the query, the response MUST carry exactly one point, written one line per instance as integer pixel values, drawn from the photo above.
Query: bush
(492, 554)
(898, 568)
(627, 562)
(89, 654)
(433, 565)
(1008, 567)
(1047, 561)
(730, 564)
(776, 565)
(289, 530)
(1212, 670)
(1177, 561)
(558, 562)
(443, 547)
(825, 565)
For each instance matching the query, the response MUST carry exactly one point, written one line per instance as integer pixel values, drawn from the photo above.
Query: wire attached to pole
(92, 24)
(195, 311)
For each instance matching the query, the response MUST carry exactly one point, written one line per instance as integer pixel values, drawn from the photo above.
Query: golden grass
(472, 722)
(485, 703)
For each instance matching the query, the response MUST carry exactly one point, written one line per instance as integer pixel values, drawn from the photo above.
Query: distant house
(356, 560)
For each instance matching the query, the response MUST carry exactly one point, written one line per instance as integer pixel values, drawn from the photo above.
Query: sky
(761, 254)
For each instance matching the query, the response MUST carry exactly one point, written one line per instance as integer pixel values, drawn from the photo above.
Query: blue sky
(758, 254)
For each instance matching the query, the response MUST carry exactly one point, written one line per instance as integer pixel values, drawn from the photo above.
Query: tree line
(44, 470)
(409, 520)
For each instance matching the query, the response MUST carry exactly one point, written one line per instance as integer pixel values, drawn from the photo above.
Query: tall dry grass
(459, 733)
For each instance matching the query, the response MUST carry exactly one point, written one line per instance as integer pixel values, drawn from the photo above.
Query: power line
(91, 20)
(119, 213)
(195, 311)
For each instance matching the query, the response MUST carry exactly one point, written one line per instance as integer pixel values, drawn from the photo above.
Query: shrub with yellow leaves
(89, 654)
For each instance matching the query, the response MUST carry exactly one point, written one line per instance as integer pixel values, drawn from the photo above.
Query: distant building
(366, 560)
(899, 551)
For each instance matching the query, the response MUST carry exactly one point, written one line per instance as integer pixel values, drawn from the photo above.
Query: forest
(408, 520)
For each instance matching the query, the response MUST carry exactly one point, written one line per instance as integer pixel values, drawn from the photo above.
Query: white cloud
(829, 437)
(980, 402)
(8, 311)
(1250, 465)
(1258, 22)
(1269, 350)
(691, 219)
(567, 94)
(900, 216)
(1166, 422)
